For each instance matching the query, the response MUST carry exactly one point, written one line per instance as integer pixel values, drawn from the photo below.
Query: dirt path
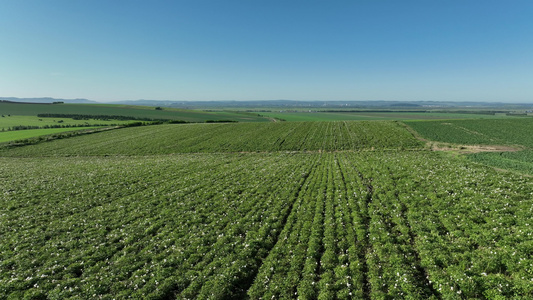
(467, 149)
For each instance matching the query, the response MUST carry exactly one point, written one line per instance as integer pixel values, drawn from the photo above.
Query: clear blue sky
(462, 50)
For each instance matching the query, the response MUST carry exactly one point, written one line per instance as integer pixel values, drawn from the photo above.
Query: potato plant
(372, 224)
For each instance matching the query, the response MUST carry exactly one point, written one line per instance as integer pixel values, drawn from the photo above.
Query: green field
(11, 108)
(511, 132)
(351, 116)
(8, 136)
(15, 120)
(17, 116)
(310, 210)
(334, 225)
(521, 161)
(514, 131)
(241, 137)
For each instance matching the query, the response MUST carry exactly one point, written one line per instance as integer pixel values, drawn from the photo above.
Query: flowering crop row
(134, 227)
(472, 228)
(469, 226)
(315, 255)
(339, 225)
(403, 225)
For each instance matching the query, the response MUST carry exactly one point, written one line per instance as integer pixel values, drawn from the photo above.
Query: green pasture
(18, 120)
(356, 116)
(8, 136)
(24, 109)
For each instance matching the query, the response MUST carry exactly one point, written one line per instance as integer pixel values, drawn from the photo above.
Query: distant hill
(46, 100)
(334, 104)
(288, 104)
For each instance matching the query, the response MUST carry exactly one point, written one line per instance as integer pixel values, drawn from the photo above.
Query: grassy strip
(7, 122)
(20, 138)
(23, 109)
(12, 136)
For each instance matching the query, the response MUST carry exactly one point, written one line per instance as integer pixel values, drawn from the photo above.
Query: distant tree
(159, 108)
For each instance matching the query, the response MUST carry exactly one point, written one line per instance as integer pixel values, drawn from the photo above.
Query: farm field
(327, 225)
(9, 136)
(23, 109)
(266, 150)
(241, 137)
(521, 161)
(14, 121)
(310, 210)
(38, 117)
(512, 132)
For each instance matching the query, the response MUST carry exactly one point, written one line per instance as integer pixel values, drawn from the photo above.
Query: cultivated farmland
(334, 210)
(515, 131)
(245, 137)
(33, 109)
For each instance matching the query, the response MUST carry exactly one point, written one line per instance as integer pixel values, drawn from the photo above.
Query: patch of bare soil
(466, 149)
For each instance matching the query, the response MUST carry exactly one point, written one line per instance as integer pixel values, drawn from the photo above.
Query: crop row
(471, 227)
(521, 161)
(139, 228)
(371, 225)
(241, 137)
(515, 131)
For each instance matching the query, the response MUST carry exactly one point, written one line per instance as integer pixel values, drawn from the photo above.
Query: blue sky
(467, 50)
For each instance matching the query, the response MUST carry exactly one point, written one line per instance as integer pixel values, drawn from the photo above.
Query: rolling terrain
(311, 210)
(242, 137)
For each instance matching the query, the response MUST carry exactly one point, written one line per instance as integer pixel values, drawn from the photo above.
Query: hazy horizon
(456, 51)
(255, 100)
